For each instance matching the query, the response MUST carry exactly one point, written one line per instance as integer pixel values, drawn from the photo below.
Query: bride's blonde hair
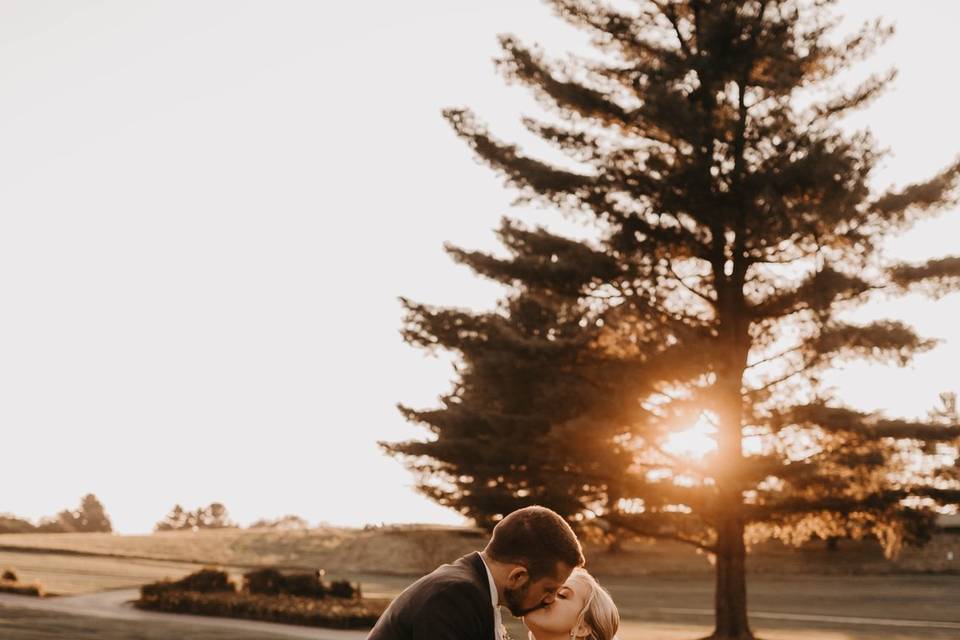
(599, 613)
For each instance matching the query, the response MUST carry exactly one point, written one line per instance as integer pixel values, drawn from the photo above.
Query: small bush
(207, 580)
(344, 589)
(10, 575)
(264, 581)
(307, 585)
(35, 589)
(272, 582)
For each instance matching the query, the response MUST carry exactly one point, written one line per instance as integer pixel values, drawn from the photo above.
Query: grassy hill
(414, 550)
(401, 551)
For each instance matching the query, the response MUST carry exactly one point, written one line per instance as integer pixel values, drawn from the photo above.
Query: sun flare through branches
(695, 442)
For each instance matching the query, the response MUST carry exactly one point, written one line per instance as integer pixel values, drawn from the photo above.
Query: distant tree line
(89, 517)
(213, 516)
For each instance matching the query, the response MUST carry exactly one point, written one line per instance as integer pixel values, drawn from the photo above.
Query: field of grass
(403, 551)
(71, 574)
(417, 550)
(679, 606)
(25, 624)
(818, 605)
(664, 591)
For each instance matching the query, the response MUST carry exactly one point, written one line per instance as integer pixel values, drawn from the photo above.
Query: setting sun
(695, 442)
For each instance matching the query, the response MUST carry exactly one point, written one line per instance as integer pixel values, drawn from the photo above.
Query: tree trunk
(730, 599)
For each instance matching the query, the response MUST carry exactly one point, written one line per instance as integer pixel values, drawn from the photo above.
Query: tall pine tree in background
(730, 223)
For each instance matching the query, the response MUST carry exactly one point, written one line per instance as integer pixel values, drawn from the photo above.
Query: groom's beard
(514, 598)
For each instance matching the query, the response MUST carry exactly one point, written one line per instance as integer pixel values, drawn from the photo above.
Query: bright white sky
(208, 210)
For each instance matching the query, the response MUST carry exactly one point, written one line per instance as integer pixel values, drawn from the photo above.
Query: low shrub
(329, 612)
(344, 589)
(207, 580)
(10, 586)
(305, 585)
(272, 582)
(264, 581)
(9, 575)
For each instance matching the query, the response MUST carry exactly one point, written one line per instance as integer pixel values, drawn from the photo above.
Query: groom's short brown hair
(537, 538)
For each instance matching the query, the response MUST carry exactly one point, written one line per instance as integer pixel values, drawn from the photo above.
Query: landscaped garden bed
(266, 595)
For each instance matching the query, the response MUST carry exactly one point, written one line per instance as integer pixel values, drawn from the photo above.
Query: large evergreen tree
(731, 223)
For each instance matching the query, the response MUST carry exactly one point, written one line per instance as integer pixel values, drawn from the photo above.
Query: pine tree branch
(877, 341)
(755, 259)
(575, 144)
(934, 278)
(830, 60)
(774, 357)
(541, 261)
(669, 11)
(523, 65)
(677, 239)
(699, 294)
(658, 535)
(878, 502)
(520, 170)
(627, 31)
(865, 93)
(758, 391)
(842, 419)
(817, 293)
(896, 209)
(690, 326)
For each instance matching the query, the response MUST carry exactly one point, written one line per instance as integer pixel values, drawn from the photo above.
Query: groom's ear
(518, 576)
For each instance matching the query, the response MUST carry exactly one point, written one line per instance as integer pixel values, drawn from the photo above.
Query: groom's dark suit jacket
(452, 603)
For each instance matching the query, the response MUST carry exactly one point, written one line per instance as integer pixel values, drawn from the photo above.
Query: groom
(530, 555)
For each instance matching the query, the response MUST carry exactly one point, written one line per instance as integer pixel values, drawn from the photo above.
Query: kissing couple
(532, 565)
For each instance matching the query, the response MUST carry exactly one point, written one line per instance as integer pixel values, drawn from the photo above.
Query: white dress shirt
(495, 600)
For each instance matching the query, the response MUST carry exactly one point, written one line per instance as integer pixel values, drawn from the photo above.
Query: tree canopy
(729, 227)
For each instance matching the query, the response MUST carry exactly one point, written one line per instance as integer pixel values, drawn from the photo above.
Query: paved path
(116, 605)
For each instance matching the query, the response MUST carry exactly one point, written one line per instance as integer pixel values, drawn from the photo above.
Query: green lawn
(681, 606)
(70, 575)
(24, 624)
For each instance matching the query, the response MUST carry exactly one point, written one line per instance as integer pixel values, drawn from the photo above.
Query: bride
(582, 610)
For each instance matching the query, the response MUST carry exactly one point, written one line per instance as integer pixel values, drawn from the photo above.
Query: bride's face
(560, 616)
